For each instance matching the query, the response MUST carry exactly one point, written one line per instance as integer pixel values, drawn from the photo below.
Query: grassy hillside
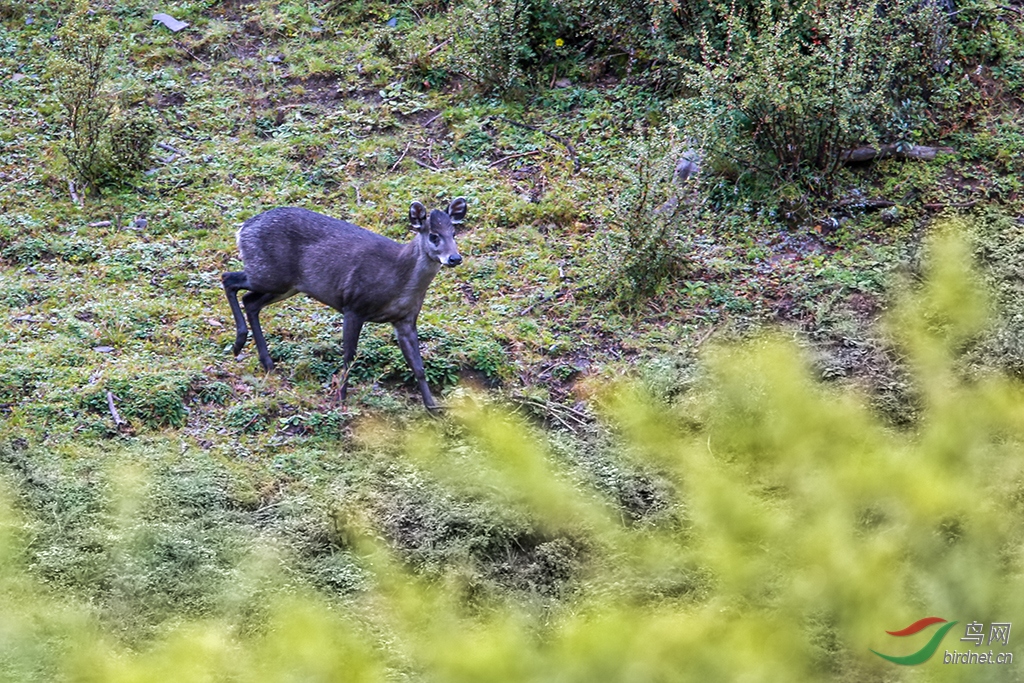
(164, 496)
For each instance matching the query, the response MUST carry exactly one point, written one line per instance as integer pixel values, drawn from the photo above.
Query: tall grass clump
(803, 527)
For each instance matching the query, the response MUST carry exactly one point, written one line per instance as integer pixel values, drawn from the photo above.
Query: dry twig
(952, 205)
(404, 152)
(427, 166)
(512, 156)
(118, 420)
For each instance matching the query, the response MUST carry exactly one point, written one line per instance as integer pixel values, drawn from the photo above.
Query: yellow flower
(559, 42)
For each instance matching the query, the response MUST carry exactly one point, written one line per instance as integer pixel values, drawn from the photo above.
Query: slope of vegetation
(728, 512)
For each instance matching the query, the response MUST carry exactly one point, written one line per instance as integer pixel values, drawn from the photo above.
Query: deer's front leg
(409, 342)
(352, 326)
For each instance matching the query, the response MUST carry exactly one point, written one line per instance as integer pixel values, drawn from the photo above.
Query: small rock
(274, 59)
(103, 349)
(18, 77)
(169, 21)
(563, 83)
(688, 166)
(140, 222)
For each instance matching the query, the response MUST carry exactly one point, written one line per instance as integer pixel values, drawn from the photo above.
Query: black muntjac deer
(366, 276)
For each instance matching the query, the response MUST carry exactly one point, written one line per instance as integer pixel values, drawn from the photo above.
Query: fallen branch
(432, 50)
(555, 411)
(168, 148)
(864, 204)
(557, 138)
(512, 156)
(704, 337)
(427, 166)
(190, 54)
(404, 152)
(544, 299)
(954, 205)
(920, 152)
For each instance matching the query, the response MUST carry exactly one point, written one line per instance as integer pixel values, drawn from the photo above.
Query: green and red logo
(929, 648)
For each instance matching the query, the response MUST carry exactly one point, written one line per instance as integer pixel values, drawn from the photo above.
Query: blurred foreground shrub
(804, 529)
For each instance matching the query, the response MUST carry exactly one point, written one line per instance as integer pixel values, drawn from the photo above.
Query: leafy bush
(131, 140)
(499, 46)
(18, 382)
(653, 214)
(214, 392)
(107, 138)
(250, 416)
(509, 39)
(637, 36)
(789, 87)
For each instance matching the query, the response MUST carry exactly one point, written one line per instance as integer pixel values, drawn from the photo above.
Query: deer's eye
(434, 238)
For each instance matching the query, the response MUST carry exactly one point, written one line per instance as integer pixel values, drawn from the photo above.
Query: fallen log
(868, 153)
(864, 204)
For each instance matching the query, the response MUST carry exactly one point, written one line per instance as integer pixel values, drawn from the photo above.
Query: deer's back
(295, 249)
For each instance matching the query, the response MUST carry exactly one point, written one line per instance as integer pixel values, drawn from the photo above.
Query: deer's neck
(420, 268)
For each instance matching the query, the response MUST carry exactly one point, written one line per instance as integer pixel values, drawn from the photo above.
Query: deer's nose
(454, 260)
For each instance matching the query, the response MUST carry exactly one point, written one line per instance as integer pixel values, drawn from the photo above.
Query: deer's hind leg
(254, 303)
(232, 283)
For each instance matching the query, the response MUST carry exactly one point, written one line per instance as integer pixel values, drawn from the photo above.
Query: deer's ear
(417, 215)
(457, 210)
